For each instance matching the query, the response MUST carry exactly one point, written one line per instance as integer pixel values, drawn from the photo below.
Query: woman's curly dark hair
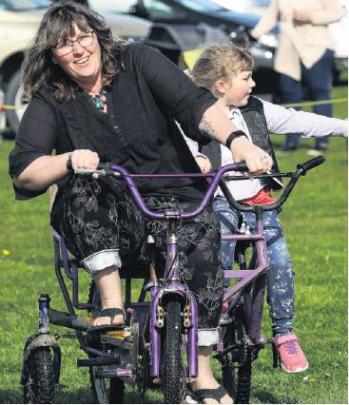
(57, 25)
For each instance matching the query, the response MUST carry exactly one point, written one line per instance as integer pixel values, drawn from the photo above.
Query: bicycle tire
(237, 380)
(171, 367)
(104, 390)
(237, 362)
(40, 388)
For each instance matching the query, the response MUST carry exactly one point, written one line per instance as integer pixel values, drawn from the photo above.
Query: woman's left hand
(256, 159)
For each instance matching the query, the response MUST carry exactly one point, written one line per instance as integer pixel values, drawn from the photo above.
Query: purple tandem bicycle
(157, 348)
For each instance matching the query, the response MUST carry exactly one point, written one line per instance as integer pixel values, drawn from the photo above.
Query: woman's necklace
(99, 100)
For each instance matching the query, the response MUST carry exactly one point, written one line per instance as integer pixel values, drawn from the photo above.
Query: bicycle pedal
(103, 329)
(262, 341)
(119, 334)
(225, 319)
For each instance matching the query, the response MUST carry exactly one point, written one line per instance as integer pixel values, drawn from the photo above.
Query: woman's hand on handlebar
(83, 159)
(257, 160)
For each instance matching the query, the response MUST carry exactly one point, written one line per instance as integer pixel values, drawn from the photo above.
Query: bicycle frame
(171, 284)
(246, 276)
(257, 275)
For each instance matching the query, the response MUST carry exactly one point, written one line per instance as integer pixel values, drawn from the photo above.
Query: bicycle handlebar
(311, 164)
(217, 178)
(302, 169)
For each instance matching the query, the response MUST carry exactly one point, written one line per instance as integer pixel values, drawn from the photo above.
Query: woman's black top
(139, 131)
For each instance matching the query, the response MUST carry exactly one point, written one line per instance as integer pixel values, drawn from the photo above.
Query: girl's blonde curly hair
(220, 61)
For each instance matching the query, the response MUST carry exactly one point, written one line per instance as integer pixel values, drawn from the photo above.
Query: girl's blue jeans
(280, 276)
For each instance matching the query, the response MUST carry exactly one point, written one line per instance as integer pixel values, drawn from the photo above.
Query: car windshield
(242, 6)
(23, 5)
(107, 6)
(200, 5)
(250, 5)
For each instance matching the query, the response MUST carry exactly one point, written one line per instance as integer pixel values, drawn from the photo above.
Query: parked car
(233, 24)
(18, 23)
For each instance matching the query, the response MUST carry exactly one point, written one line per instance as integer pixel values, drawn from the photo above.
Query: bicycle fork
(173, 287)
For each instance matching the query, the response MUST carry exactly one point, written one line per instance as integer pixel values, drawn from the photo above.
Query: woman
(96, 100)
(304, 54)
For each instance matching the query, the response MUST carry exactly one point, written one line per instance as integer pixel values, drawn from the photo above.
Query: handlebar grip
(310, 164)
(241, 167)
(103, 166)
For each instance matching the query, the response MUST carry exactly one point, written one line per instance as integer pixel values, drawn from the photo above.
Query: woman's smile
(82, 61)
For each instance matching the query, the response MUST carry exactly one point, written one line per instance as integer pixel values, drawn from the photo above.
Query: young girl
(226, 70)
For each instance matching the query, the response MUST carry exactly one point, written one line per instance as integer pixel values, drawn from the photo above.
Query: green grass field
(315, 223)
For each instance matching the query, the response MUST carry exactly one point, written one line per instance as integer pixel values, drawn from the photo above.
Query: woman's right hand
(83, 159)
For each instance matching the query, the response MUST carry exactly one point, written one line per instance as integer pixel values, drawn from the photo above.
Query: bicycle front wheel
(171, 366)
(40, 388)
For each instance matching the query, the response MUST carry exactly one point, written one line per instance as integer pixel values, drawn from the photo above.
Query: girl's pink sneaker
(291, 355)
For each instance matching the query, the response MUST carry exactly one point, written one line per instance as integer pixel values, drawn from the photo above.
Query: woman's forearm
(43, 172)
(47, 170)
(217, 126)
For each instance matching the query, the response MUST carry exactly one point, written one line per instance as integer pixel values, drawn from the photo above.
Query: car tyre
(14, 98)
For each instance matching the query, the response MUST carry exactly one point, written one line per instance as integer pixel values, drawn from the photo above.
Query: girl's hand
(204, 163)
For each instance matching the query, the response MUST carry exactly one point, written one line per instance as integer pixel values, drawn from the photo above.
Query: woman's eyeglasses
(84, 41)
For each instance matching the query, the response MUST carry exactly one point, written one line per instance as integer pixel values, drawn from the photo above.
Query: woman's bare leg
(205, 378)
(109, 286)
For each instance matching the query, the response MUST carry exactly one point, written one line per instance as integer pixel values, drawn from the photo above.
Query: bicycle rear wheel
(237, 380)
(40, 388)
(171, 360)
(237, 361)
(104, 390)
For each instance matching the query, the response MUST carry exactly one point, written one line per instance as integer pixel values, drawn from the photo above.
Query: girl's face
(237, 91)
(80, 57)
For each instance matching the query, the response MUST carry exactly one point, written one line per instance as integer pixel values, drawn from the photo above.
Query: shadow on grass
(80, 396)
(11, 396)
(84, 396)
(266, 397)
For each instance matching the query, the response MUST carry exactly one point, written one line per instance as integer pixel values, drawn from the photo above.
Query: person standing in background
(304, 55)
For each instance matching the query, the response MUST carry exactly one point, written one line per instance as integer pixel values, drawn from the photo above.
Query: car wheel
(14, 98)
